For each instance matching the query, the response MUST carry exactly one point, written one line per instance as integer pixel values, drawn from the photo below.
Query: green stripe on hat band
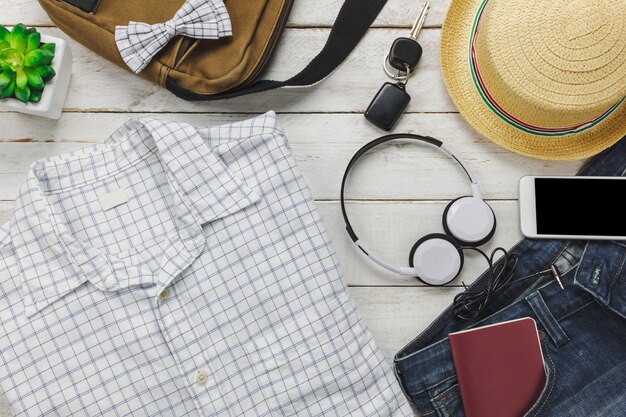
(499, 111)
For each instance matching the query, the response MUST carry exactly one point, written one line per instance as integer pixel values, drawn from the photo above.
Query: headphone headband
(384, 139)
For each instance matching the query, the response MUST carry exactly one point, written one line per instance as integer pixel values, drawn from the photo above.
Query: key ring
(397, 76)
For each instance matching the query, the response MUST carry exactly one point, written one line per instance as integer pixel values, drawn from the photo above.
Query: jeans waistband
(429, 372)
(547, 306)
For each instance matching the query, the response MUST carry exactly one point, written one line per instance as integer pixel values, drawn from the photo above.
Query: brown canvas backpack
(199, 69)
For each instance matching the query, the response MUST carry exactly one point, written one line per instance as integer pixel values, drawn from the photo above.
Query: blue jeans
(583, 327)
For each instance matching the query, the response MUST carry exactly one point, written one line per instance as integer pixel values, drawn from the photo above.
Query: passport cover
(499, 367)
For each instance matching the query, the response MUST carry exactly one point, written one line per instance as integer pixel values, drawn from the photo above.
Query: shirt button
(164, 295)
(201, 377)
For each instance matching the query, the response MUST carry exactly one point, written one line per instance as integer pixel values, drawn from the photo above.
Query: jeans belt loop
(543, 313)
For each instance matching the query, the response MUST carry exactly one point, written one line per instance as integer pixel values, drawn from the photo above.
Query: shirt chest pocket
(315, 361)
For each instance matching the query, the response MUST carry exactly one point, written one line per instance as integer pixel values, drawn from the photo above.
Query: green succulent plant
(24, 64)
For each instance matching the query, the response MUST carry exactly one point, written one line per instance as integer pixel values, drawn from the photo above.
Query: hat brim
(455, 41)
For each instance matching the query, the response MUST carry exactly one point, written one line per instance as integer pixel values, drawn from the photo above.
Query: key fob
(387, 106)
(405, 52)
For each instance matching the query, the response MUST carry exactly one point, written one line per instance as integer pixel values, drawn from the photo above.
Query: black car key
(392, 99)
(388, 105)
(405, 52)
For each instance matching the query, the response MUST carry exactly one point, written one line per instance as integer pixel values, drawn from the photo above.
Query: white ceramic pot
(53, 97)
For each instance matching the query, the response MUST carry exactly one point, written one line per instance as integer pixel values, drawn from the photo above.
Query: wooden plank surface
(104, 87)
(322, 144)
(304, 13)
(396, 195)
(99, 86)
(391, 228)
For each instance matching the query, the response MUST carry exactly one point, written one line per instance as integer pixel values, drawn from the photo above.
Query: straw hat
(544, 78)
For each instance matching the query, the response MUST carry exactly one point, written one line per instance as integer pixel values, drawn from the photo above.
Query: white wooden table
(398, 194)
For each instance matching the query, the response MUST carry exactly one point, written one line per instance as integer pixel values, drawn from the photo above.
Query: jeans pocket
(541, 402)
(448, 403)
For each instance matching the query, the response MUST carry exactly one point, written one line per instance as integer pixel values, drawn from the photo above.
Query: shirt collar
(53, 262)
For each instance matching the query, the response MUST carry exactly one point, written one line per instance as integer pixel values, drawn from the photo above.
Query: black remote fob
(388, 105)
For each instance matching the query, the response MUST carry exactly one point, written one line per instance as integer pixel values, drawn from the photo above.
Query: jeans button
(542, 335)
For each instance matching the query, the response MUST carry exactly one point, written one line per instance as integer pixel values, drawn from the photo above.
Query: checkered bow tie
(139, 42)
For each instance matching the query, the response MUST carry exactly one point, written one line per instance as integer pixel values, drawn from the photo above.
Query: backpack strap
(352, 22)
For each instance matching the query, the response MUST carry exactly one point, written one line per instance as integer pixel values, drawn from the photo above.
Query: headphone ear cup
(469, 220)
(437, 259)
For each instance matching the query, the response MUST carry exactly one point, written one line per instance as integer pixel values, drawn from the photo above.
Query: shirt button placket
(179, 332)
(164, 295)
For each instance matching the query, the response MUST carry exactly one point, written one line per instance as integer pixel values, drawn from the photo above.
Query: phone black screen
(581, 206)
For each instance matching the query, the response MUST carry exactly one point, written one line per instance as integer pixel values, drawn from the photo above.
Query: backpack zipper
(184, 47)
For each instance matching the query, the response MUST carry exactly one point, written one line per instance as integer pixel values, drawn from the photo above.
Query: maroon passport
(499, 367)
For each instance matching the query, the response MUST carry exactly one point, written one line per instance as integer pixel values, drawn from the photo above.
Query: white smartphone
(587, 208)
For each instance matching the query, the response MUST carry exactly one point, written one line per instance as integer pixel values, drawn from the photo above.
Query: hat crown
(553, 63)
(583, 25)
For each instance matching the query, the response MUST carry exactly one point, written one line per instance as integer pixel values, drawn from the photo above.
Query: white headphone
(437, 258)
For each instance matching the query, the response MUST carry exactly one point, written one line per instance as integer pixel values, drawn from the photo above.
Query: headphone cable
(470, 304)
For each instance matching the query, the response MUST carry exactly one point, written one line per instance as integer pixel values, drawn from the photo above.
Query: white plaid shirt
(176, 271)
